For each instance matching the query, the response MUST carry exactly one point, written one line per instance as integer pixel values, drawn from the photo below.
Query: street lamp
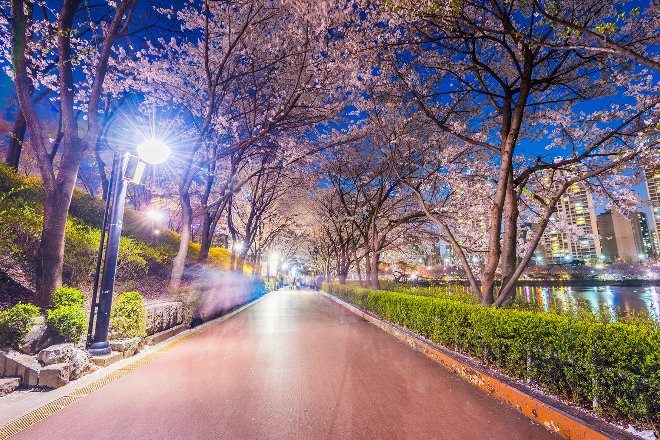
(272, 261)
(156, 218)
(125, 168)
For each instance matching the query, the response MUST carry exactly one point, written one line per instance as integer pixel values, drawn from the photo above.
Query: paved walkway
(295, 365)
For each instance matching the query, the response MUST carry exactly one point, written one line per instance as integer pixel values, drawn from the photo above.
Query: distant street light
(272, 261)
(156, 218)
(125, 168)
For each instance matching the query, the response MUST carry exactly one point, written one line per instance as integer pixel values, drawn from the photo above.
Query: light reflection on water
(618, 299)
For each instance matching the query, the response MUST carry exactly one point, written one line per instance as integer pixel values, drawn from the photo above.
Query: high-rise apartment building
(653, 190)
(620, 238)
(556, 246)
(643, 236)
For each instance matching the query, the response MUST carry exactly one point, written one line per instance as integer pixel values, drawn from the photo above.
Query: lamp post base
(100, 348)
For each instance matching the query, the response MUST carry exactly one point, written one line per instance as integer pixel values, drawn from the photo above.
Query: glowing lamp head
(153, 151)
(155, 215)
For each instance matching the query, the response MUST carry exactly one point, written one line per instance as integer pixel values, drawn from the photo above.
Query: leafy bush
(67, 317)
(68, 321)
(612, 367)
(15, 323)
(20, 229)
(21, 220)
(87, 209)
(131, 264)
(128, 316)
(68, 296)
(219, 257)
(27, 188)
(80, 252)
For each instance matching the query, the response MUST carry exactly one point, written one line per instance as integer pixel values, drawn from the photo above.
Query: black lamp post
(126, 168)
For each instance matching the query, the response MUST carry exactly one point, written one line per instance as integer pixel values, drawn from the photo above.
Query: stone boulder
(81, 364)
(39, 337)
(54, 376)
(162, 316)
(57, 354)
(15, 364)
(8, 385)
(128, 347)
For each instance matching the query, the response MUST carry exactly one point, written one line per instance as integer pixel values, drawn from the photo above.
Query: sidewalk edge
(76, 391)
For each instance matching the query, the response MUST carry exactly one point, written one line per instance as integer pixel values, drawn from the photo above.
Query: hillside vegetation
(143, 257)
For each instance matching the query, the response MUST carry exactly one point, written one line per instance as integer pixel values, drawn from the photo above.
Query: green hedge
(610, 368)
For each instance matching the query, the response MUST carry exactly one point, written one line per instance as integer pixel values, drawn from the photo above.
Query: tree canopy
(357, 129)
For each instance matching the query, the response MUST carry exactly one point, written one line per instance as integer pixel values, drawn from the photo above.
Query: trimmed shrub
(15, 323)
(128, 316)
(610, 368)
(68, 296)
(67, 317)
(219, 258)
(68, 321)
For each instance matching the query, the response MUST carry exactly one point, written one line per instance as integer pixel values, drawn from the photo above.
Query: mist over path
(295, 365)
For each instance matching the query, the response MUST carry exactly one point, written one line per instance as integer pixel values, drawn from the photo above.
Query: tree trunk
(50, 256)
(359, 271)
(207, 238)
(15, 144)
(232, 260)
(374, 282)
(179, 263)
(509, 242)
(240, 261)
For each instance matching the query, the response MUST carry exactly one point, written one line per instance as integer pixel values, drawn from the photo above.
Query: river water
(619, 299)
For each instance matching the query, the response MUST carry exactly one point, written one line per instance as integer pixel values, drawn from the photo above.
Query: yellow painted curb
(35, 416)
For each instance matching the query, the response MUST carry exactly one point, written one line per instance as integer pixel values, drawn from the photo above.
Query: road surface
(295, 365)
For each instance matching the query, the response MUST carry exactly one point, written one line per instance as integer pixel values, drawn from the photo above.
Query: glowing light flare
(154, 151)
(155, 215)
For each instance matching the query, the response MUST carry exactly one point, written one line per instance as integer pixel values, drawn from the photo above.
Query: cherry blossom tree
(61, 41)
(331, 234)
(250, 77)
(626, 31)
(368, 190)
(263, 214)
(483, 76)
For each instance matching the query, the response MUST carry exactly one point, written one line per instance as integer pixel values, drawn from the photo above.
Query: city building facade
(559, 247)
(620, 238)
(653, 189)
(644, 236)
